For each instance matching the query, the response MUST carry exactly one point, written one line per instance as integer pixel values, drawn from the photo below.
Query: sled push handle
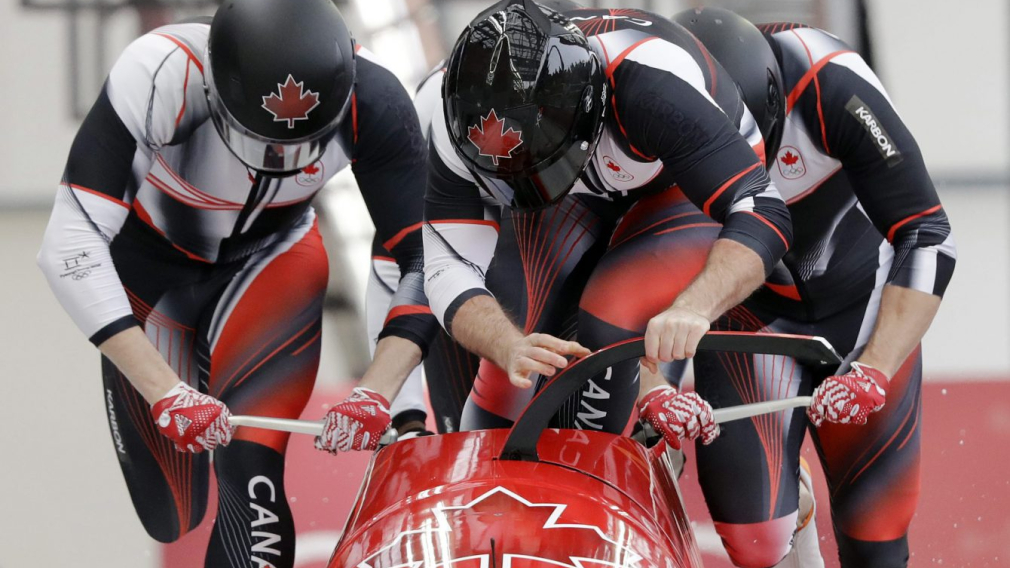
(810, 351)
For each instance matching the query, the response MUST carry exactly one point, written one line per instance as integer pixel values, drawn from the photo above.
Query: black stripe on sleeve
(101, 157)
(944, 272)
(403, 332)
(456, 304)
(121, 324)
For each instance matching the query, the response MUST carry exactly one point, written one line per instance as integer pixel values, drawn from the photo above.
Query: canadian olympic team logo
(616, 171)
(790, 163)
(310, 175)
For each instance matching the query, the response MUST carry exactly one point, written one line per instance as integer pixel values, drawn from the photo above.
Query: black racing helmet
(279, 78)
(524, 100)
(750, 60)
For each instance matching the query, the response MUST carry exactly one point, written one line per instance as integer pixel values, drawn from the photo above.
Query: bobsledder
(534, 496)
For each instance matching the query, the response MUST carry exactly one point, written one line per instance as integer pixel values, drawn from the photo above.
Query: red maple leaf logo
(789, 158)
(492, 140)
(613, 166)
(294, 103)
(473, 526)
(311, 169)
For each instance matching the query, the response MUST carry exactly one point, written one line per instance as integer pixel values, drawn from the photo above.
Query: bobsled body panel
(593, 500)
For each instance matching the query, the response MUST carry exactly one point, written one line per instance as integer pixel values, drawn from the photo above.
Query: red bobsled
(529, 497)
(592, 500)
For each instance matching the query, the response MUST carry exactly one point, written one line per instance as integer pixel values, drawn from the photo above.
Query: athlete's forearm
(394, 359)
(732, 272)
(482, 328)
(137, 358)
(905, 315)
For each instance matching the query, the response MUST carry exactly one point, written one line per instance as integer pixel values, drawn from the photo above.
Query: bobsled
(535, 496)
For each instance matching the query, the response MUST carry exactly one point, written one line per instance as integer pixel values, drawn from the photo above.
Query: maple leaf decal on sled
(789, 158)
(291, 102)
(491, 138)
(456, 526)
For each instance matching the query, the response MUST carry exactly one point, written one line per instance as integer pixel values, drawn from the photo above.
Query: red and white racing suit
(157, 224)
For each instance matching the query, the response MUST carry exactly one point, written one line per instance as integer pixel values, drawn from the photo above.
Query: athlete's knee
(855, 553)
(877, 535)
(758, 545)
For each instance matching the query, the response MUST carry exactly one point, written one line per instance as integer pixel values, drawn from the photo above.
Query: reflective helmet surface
(749, 58)
(524, 99)
(279, 80)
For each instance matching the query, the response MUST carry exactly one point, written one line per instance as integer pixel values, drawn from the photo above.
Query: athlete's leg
(657, 249)
(873, 474)
(261, 345)
(167, 292)
(750, 474)
(540, 265)
(168, 487)
(450, 371)
(806, 548)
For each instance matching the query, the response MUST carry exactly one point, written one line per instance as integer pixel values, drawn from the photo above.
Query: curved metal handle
(741, 411)
(522, 440)
(310, 427)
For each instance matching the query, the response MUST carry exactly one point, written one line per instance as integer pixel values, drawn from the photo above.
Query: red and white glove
(849, 398)
(193, 420)
(678, 415)
(355, 424)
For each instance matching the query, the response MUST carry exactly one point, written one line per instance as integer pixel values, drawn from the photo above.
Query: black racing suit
(864, 215)
(676, 159)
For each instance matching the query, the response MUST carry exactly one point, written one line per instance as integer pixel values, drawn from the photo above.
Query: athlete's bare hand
(673, 335)
(539, 353)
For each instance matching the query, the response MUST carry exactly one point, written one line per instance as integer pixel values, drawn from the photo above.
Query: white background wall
(945, 64)
(63, 502)
(37, 127)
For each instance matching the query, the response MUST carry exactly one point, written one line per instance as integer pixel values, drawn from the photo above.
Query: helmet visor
(273, 157)
(545, 185)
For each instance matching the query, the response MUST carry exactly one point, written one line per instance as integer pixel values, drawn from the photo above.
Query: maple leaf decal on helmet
(789, 158)
(294, 103)
(492, 140)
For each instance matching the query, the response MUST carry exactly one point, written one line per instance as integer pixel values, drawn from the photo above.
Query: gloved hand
(678, 415)
(849, 398)
(193, 420)
(357, 423)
